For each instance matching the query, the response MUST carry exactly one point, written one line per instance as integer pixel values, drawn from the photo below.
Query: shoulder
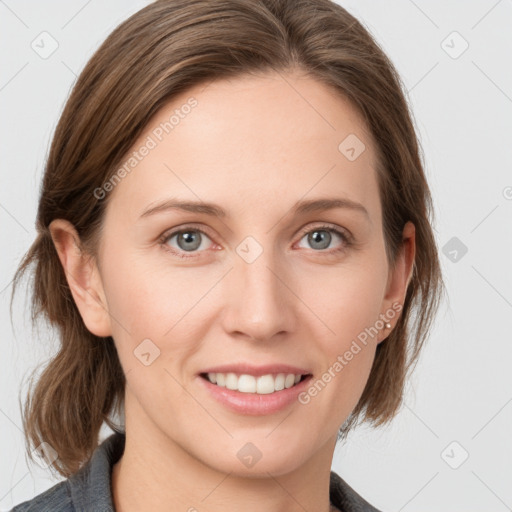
(346, 498)
(54, 499)
(87, 489)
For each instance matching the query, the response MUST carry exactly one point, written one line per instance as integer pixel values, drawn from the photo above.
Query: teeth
(220, 379)
(246, 384)
(262, 385)
(231, 381)
(279, 381)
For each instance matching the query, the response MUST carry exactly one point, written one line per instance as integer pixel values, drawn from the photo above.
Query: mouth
(267, 384)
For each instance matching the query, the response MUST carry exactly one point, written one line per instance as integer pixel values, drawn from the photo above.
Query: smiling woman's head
(233, 187)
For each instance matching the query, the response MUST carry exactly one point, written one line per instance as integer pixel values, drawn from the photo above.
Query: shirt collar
(91, 486)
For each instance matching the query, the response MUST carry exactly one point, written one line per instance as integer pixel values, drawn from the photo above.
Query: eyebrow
(300, 208)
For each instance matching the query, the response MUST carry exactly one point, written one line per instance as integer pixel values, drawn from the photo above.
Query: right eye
(187, 240)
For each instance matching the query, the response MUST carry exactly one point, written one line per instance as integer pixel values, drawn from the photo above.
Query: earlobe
(83, 278)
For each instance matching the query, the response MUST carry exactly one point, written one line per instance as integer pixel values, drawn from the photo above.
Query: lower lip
(254, 403)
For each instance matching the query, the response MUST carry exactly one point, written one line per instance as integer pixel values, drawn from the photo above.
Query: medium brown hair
(159, 52)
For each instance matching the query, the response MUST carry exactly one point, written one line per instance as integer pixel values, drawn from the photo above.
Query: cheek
(150, 298)
(349, 307)
(349, 301)
(155, 327)
(159, 316)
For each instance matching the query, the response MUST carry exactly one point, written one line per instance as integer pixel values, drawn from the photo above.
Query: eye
(192, 240)
(188, 240)
(321, 237)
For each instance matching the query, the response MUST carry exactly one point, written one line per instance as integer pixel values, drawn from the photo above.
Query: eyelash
(346, 239)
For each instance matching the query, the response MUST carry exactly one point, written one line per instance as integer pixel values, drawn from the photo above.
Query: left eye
(321, 237)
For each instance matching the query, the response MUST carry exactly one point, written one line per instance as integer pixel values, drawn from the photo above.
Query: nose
(260, 303)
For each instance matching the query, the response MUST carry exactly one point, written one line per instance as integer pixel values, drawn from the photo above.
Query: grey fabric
(345, 498)
(89, 490)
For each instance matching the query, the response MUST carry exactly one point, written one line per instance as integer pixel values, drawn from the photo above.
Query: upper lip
(249, 369)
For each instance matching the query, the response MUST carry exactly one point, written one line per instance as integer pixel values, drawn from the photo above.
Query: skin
(254, 146)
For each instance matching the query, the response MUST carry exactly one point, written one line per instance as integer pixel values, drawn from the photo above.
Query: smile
(261, 385)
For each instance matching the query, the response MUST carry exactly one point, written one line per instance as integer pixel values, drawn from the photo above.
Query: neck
(155, 473)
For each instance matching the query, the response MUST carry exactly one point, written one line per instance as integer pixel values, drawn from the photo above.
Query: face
(265, 279)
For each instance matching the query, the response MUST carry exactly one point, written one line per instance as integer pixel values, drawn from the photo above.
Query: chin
(258, 459)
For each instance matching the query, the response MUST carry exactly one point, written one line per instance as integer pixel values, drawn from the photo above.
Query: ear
(401, 275)
(83, 278)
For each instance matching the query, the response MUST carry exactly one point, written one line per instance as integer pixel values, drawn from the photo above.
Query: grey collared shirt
(89, 489)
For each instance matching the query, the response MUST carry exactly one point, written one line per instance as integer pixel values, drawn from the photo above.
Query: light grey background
(461, 391)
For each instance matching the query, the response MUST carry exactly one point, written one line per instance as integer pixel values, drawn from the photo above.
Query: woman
(273, 137)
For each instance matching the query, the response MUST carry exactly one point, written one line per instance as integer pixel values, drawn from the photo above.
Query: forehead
(248, 143)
